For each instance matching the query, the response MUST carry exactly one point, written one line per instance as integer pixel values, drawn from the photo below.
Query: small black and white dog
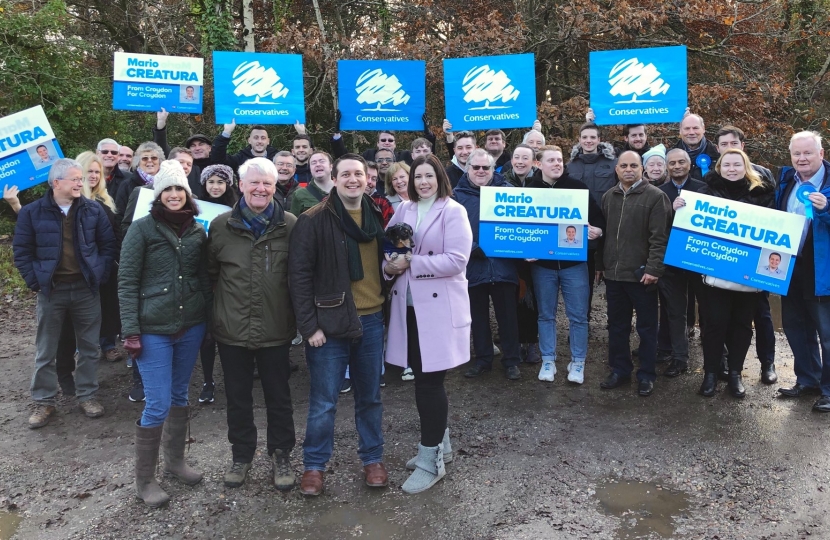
(397, 241)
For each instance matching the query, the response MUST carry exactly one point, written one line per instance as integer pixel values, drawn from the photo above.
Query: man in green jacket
(253, 321)
(319, 187)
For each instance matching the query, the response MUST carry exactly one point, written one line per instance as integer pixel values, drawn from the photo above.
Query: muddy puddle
(645, 510)
(9, 523)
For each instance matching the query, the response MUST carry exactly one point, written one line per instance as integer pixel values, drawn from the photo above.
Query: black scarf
(370, 229)
(178, 220)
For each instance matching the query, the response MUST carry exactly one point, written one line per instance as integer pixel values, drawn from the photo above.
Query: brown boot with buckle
(311, 484)
(375, 475)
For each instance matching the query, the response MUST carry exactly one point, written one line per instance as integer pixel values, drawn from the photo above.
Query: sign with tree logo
(381, 94)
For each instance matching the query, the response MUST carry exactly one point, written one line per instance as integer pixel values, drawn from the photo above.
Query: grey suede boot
(429, 469)
(147, 488)
(447, 452)
(173, 441)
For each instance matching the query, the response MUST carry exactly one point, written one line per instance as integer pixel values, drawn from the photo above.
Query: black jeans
(430, 395)
(504, 304)
(764, 331)
(207, 354)
(728, 317)
(672, 336)
(624, 298)
(274, 372)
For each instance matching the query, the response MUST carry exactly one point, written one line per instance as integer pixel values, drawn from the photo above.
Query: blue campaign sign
(638, 86)
(149, 82)
(735, 241)
(381, 94)
(258, 88)
(529, 223)
(490, 91)
(28, 148)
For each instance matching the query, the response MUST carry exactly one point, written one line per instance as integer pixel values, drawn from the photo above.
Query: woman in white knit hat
(654, 165)
(165, 294)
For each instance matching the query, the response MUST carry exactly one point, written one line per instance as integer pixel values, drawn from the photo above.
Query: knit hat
(222, 171)
(170, 174)
(659, 151)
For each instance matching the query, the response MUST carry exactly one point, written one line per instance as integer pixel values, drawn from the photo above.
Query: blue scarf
(257, 223)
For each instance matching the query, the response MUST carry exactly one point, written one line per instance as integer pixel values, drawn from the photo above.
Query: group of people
(302, 255)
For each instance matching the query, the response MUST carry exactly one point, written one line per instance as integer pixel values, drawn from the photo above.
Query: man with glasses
(64, 248)
(108, 150)
(384, 158)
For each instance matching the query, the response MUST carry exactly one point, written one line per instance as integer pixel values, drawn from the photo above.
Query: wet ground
(532, 460)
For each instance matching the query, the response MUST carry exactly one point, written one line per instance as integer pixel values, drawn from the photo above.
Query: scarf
(697, 151)
(369, 230)
(178, 220)
(148, 178)
(256, 222)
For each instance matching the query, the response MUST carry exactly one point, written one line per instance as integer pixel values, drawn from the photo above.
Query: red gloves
(132, 344)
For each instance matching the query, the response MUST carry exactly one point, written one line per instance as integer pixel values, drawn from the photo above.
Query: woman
(654, 165)
(397, 180)
(430, 312)
(729, 313)
(95, 188)
(218, 188)
(165, 296)
(146, 161)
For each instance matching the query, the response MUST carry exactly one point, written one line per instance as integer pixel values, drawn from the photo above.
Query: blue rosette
(803, 195)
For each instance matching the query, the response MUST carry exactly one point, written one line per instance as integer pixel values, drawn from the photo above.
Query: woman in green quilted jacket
(165, 295)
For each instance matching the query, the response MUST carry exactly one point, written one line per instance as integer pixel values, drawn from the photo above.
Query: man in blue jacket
(64, 247)
(805, 309)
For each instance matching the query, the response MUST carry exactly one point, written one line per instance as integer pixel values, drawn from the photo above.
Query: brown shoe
(312, 483)
(41, 416)
(91, 408)
(375, 475)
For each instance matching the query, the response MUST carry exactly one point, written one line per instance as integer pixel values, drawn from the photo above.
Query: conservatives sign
(147, 82)
(534, 223)
(381, 94)
(28, 148)
(490, 91)
(735, 241)
(638, 86)
(258, 88)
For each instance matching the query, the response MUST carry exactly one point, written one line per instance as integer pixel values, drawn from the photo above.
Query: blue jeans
(573, 282)
(803, 320)
(326, 369)
(165, 365)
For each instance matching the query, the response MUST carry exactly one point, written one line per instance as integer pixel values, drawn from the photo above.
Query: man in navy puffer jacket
(64, 247)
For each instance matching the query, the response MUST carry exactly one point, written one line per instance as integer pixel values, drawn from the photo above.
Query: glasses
(385, 160)
(111, 152)
(480, 167)
(74, 180)
(386, 140)
(149, 158)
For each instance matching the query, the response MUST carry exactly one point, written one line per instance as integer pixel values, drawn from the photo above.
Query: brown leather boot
(375, 475)
(311, 484)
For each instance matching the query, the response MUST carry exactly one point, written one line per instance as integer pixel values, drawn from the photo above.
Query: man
(494, 143)
(337, 291)
(772, 268)
(636, 138)
(125, 159)
(319, 187)
(383, 203)
(632, 263)
(693, 140)
(805, 310)
(287, 183)
(108, 150)
(193, 172)
(420, 147)
(253, 321)
(384, 159)
(189, 94)
(673, 287)
(465, 143)
(198, 144)
(732, 137)
(64, 248)
(534, 139)
(654, 165)
(258, 146)
(570, 237)
(43, 154)
(301, 148)
(521, 169)
(386, 140)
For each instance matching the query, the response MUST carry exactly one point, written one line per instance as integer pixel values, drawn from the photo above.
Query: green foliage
(214, 20)
(10, 280)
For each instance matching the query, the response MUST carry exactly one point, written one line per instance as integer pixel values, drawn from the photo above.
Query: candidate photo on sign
(773, 264)
(572, 237)
(43, 155)
(188, 94)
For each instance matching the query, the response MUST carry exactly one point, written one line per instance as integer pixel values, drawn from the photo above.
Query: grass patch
(10, 280)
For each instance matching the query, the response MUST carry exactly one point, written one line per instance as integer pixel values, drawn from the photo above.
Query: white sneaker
(407, 375)
(576, 373)
(570, 365)
(496, 350)
(548, 371)
(297, 339)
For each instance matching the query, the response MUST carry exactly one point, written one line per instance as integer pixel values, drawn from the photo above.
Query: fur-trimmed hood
(606, 149)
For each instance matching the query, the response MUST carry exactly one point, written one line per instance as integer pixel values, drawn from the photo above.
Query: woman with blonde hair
(94, 188)
(396, 182)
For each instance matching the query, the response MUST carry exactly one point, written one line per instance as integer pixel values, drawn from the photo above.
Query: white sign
(208, 211)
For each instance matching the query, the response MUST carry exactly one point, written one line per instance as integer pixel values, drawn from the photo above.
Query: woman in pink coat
(429, 326)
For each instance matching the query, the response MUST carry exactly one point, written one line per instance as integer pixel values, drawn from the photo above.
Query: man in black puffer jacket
(258, 146)
(64, 248)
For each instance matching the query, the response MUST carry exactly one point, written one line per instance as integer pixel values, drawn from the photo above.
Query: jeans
(68, 300)
(207, 354)
(804, 320)
(624, 298)
(728, 316)
(166, 363)
(274, 372)
(107, 343)
(764, 331)
(326, 369)
(672, 336)
(430, 395)
(573, 282)
(504, 304)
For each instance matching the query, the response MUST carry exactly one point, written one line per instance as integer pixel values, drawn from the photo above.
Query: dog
(397, 241)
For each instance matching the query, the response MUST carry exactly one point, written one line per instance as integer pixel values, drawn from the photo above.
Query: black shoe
(346, 387)
(675, 369)
(614, 380)
(645, 388)
(67, 384)
(207, 393)
(475, 371)
(534, 356)
(663, 357)
(736, 384)
(768, 374)
(137, 392)
(709, 385)
(512, 373)
(822, 405)
(798, 390)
